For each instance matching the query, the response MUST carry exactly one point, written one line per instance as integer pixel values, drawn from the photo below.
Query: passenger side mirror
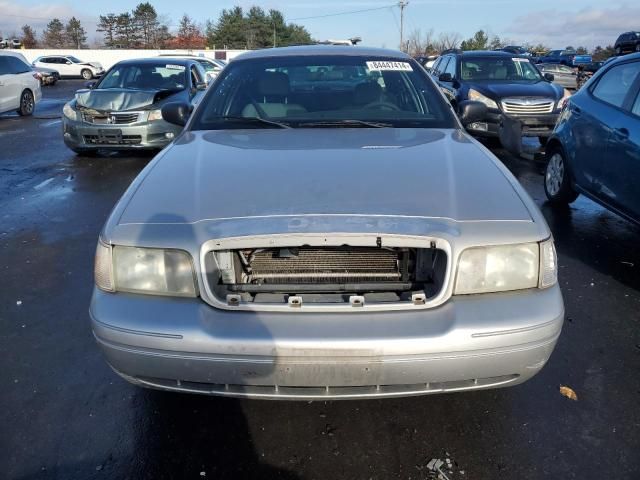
(176, 113)
(471, 112)
(68, 62)
(445, 77)
(549, 77)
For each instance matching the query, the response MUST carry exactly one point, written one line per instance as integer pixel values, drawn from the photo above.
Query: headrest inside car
(274, 83)
(367, 92)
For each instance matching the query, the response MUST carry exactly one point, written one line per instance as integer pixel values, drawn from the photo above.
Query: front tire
(86, 74)
(27, 104)
(557, 179)
(543, 141)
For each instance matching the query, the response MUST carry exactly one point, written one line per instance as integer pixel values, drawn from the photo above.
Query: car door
(624, 149)
(609, 134)
(7, 85)
(65, 67)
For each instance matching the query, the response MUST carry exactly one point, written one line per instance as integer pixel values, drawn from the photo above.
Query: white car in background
(70, 66)
(19, 84)
(212, 66)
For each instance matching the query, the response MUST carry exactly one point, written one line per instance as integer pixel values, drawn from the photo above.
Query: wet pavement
(65, 415)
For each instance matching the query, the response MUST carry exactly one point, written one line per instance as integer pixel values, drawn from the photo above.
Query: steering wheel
(382, 106)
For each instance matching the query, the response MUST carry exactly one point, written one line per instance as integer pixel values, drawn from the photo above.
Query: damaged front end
(336, 272)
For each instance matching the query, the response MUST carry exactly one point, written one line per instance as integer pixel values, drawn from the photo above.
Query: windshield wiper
(351, 123)
(253, 121)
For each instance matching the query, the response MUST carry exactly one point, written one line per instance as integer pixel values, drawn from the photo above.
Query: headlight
(69, 112)
(155, 115)
(478, 97)
(498, 268)
(566, 96)
(152, 271)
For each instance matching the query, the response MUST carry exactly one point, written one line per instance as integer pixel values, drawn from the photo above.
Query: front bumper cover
(532, 125)
(470, 342)
(79, 135)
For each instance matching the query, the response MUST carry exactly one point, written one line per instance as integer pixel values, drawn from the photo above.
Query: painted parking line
(52, 123)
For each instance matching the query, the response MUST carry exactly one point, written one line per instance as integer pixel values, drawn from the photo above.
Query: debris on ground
(568, 392)
(435, 465)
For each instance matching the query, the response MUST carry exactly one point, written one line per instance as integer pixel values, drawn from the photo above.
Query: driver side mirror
(176, 113)
(445, 77)
(67, 62)
(471, 112)
(549, 77)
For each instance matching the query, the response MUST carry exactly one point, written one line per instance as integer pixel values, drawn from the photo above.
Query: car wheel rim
(86, 75)
(555, 174)
(27, 103)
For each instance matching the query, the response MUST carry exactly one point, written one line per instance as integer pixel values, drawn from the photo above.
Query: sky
(553, 23)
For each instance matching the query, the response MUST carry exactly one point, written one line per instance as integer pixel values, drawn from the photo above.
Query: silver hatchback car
(324, 228)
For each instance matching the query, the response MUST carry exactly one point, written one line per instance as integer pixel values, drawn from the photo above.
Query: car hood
(517, 89)
(243, 174)
(116, 99)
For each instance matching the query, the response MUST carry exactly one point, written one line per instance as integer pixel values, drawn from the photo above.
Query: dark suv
(509, 85)
(628, 42)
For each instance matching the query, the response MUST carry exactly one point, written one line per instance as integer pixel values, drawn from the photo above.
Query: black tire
(543, 141)
(27, 104)
(557, 179)
(86, 74)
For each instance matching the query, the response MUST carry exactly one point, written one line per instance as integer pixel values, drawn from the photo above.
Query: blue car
(595, 147)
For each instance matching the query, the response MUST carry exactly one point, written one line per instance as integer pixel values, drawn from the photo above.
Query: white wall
(109, 57)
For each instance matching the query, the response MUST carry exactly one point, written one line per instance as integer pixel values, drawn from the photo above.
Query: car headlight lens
(478, 97)
(498, 268)
(155, 115)
(153, 271)
(69, 112)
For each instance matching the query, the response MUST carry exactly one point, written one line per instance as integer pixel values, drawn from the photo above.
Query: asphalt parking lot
(65, 415)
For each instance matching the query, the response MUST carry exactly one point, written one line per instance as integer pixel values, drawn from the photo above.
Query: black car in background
(509, 85)
(628, 42)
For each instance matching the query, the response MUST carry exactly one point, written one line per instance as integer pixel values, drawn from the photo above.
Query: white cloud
(585, 27)
(14, 16)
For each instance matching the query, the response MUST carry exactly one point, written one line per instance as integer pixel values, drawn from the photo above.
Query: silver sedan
(324, 228)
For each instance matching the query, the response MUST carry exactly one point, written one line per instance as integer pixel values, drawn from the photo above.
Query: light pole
(402, 4)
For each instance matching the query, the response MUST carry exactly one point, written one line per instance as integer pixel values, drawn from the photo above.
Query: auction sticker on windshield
(174, 67)
(526, 60)
(390, 66)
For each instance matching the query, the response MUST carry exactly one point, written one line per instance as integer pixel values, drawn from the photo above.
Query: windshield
(316, 91)
(499, 69)
(74, 59)
(161, 76)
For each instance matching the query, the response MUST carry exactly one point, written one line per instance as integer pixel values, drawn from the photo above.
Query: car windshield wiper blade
(253, 121)
(345, 123)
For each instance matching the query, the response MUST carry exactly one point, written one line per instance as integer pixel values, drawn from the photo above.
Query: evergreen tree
(75, 34)
(53, 36)
(108, 25)
(28, 37)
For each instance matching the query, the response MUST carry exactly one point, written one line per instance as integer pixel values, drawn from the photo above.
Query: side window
(17, 66)
(451, 67)
(436, 66)
(195, 77)
(4, 65)
(636, 106)
(615, 84)
(443, 66)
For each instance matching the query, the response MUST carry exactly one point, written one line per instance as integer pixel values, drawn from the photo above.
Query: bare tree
(447, 41)
(421, 42)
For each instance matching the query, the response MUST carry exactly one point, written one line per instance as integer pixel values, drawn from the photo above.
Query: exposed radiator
(324, 265)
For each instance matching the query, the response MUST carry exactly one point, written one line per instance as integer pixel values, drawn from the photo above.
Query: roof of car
(156, 60)
(312, 50)
(488, 53)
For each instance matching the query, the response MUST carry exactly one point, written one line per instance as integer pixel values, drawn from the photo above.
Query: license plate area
(109, 136)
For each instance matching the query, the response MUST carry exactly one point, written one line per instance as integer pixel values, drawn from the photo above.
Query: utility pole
(402, 4)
